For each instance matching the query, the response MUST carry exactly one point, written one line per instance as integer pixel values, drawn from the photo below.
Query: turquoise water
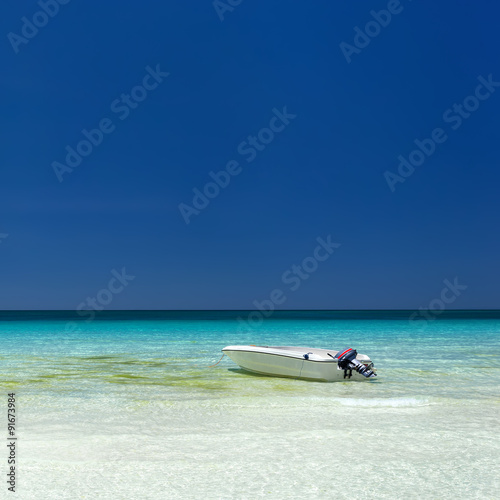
(131, 409)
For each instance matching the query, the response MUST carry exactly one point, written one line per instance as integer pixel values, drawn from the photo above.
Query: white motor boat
(302, 362)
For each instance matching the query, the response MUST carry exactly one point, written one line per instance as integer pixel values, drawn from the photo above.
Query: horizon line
(239, 310)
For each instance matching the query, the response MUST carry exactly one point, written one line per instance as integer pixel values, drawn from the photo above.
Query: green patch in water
(97, 358)
(127, 375)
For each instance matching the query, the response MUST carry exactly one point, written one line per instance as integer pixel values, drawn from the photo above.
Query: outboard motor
(347, 361)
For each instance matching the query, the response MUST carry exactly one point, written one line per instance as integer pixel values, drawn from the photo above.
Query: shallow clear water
(131, 409)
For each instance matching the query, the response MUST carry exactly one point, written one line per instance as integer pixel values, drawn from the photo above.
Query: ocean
(129, 406)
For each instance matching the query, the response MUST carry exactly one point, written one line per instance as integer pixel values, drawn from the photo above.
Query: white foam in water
(379, 402)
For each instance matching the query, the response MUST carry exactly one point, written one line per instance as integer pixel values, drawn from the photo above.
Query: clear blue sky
(321, 174)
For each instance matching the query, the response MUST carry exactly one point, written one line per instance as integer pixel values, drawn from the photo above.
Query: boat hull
(285, 361)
